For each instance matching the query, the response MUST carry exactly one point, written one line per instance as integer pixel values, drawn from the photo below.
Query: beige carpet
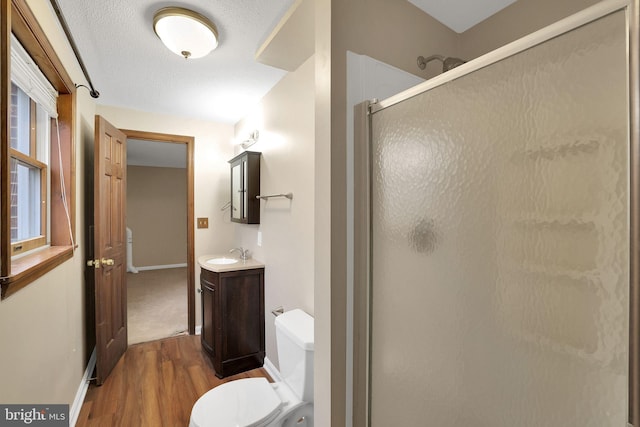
(156, 304)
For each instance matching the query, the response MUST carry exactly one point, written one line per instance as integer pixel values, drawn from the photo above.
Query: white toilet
(254, 402)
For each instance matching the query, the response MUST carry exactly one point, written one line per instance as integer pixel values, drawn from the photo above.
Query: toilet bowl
(254, 402)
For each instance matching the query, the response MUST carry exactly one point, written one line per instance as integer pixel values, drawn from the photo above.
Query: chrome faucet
(244, 253)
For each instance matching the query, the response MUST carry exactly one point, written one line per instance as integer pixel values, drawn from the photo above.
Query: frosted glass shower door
(500, 277)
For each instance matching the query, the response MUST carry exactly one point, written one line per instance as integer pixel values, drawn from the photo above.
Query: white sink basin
(219, 263)
(222, 261)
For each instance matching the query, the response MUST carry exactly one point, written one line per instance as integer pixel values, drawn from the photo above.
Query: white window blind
(26, 74)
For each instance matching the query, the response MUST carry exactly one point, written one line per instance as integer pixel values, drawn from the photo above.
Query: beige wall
(394, 32)
(42, 327)
(322, 215)
(285, 120)
(515, 21)
(213, 147)
(157, 214)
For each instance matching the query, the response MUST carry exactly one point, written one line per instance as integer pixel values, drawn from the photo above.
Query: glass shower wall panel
(500, 242)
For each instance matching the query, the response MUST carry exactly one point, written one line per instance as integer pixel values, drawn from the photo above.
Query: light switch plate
(203, 222)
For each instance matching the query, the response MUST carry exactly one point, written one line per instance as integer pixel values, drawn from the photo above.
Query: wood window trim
(26, 245)
(16, 17)
(30, 267)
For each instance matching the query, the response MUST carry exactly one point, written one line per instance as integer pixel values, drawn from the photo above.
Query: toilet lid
(248, 403)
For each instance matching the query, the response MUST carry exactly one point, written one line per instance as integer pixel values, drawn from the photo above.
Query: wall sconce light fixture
(253, 138)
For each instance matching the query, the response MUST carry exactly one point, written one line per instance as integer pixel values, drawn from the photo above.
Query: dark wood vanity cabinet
(245, 186)
(233, 319)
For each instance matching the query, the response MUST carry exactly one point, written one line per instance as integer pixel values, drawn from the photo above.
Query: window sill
(30, 267)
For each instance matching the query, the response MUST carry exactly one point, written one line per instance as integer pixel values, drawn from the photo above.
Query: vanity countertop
(221, 268)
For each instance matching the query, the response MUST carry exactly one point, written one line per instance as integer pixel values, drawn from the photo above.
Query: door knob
(107, 261)
(95, 263)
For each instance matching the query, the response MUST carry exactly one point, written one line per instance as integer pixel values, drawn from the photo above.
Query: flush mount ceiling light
(185, 32)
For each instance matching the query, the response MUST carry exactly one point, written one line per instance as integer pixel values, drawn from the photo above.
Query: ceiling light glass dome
(185, 32)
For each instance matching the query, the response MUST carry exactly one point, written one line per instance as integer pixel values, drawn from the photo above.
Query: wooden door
(109, 246)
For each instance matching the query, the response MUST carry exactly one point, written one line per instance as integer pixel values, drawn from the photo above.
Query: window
(37, 152)
(33, 104)
(29, 153)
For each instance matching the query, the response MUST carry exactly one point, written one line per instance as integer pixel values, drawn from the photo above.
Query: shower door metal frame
(362, 195)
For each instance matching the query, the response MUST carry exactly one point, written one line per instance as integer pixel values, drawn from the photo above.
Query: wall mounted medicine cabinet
(245, 186)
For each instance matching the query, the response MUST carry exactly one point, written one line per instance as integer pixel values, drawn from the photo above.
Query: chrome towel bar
(288, 196)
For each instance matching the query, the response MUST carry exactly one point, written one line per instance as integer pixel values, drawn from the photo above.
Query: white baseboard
(161, 267)
(74, 412)
(271, 370)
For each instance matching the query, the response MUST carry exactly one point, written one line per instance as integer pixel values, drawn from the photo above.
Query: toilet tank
(294, 337)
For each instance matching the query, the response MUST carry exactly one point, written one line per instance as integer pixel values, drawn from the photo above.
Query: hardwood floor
(154, 384)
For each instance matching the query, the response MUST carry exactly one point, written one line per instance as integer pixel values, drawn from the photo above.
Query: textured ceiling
(460, 15)
(131, 68)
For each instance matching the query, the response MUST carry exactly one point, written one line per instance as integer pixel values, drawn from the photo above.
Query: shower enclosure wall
(494, 266)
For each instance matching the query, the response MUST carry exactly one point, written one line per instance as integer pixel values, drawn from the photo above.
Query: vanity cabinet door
(245, 186)
(207, 295)
(241, 306)
(233, 319)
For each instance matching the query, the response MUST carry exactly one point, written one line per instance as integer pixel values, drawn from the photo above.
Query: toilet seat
(249, 402)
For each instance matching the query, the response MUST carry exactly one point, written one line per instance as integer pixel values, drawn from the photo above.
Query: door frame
(189, 142)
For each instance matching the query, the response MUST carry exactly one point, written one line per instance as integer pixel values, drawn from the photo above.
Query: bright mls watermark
(34, 415)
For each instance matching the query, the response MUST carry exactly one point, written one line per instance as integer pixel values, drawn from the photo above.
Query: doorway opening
(160, 260)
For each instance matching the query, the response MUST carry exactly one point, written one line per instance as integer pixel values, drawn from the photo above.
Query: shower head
(451, 63)
(447, 63)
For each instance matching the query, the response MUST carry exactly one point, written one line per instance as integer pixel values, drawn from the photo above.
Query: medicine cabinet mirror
(245, 186)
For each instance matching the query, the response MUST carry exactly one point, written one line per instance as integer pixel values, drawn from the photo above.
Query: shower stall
(495, 260)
